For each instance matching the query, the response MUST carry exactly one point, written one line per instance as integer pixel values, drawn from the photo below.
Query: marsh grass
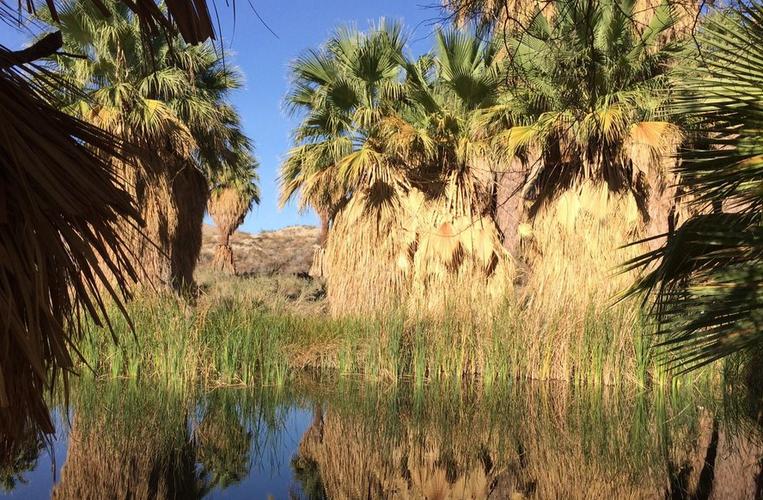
(246, 330)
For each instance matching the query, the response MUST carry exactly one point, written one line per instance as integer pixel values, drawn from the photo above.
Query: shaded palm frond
(706, 278)
(63, 254)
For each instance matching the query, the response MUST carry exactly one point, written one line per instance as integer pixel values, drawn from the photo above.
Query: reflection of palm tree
(16, 458)
(544, 450)
(130, 443)
(306, 469)
(223, 443)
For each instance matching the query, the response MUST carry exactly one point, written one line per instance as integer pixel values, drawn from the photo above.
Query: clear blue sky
(264, 60)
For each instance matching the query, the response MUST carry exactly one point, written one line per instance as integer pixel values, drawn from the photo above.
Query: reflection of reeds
(133, 444)
(18, 456)
(533, 442)
(223, 441)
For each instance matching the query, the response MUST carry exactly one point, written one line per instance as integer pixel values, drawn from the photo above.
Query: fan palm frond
(706, 278)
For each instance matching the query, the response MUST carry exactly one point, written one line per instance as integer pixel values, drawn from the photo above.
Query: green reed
(233, 336)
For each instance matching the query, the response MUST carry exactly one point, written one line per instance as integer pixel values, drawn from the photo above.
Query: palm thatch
(227, 207)
(573, 248)
(455, 263)
(190, 190)
(360, 260)
(61, 204)
(419, 256)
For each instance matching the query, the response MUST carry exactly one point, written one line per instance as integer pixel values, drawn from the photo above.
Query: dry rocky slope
(284, 251)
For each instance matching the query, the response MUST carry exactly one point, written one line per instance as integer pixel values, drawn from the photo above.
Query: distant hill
(284, 251)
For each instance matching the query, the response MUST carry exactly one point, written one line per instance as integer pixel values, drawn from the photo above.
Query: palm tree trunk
(509, 205)
(223, 258)
(317, 268)
(190, 193)
(323, 236)
(150, 246)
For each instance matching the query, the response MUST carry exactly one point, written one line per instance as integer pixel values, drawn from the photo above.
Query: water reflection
(16, 459)
(343, 439)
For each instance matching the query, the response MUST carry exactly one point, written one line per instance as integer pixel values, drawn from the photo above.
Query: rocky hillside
(285, 251)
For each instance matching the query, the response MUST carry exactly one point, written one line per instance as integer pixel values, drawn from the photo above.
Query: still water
(346, 439)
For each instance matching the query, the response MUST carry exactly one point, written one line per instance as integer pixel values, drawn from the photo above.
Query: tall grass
(247, 330)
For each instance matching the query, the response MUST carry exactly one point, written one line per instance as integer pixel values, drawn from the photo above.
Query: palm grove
(492, 182)
(503, 173)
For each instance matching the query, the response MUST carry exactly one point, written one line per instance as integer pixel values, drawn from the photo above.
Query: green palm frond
(706, 278)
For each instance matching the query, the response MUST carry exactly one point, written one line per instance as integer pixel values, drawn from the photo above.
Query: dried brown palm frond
(518, 15)
(488, 13)
(61, 205)
(456, 263)
(363, 246)
(652, 148)
(190, 190)
(420, 255)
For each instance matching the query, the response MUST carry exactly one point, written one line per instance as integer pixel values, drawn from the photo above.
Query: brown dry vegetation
(425, 259)
(228, 208)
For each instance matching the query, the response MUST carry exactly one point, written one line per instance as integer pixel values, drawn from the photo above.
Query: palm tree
(706, 279)
(589, 93)
(387, 147)
(342, 91)
(232, 197)
(167, 99)
(585, 120)
(437, 137)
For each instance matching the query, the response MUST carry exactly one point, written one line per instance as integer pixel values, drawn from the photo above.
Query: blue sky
(264, 60)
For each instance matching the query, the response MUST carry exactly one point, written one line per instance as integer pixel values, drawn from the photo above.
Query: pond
(339, 438)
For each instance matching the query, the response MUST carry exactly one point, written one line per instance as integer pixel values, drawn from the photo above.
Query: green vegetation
(247, 331)
(477, 202)
(708, 277)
